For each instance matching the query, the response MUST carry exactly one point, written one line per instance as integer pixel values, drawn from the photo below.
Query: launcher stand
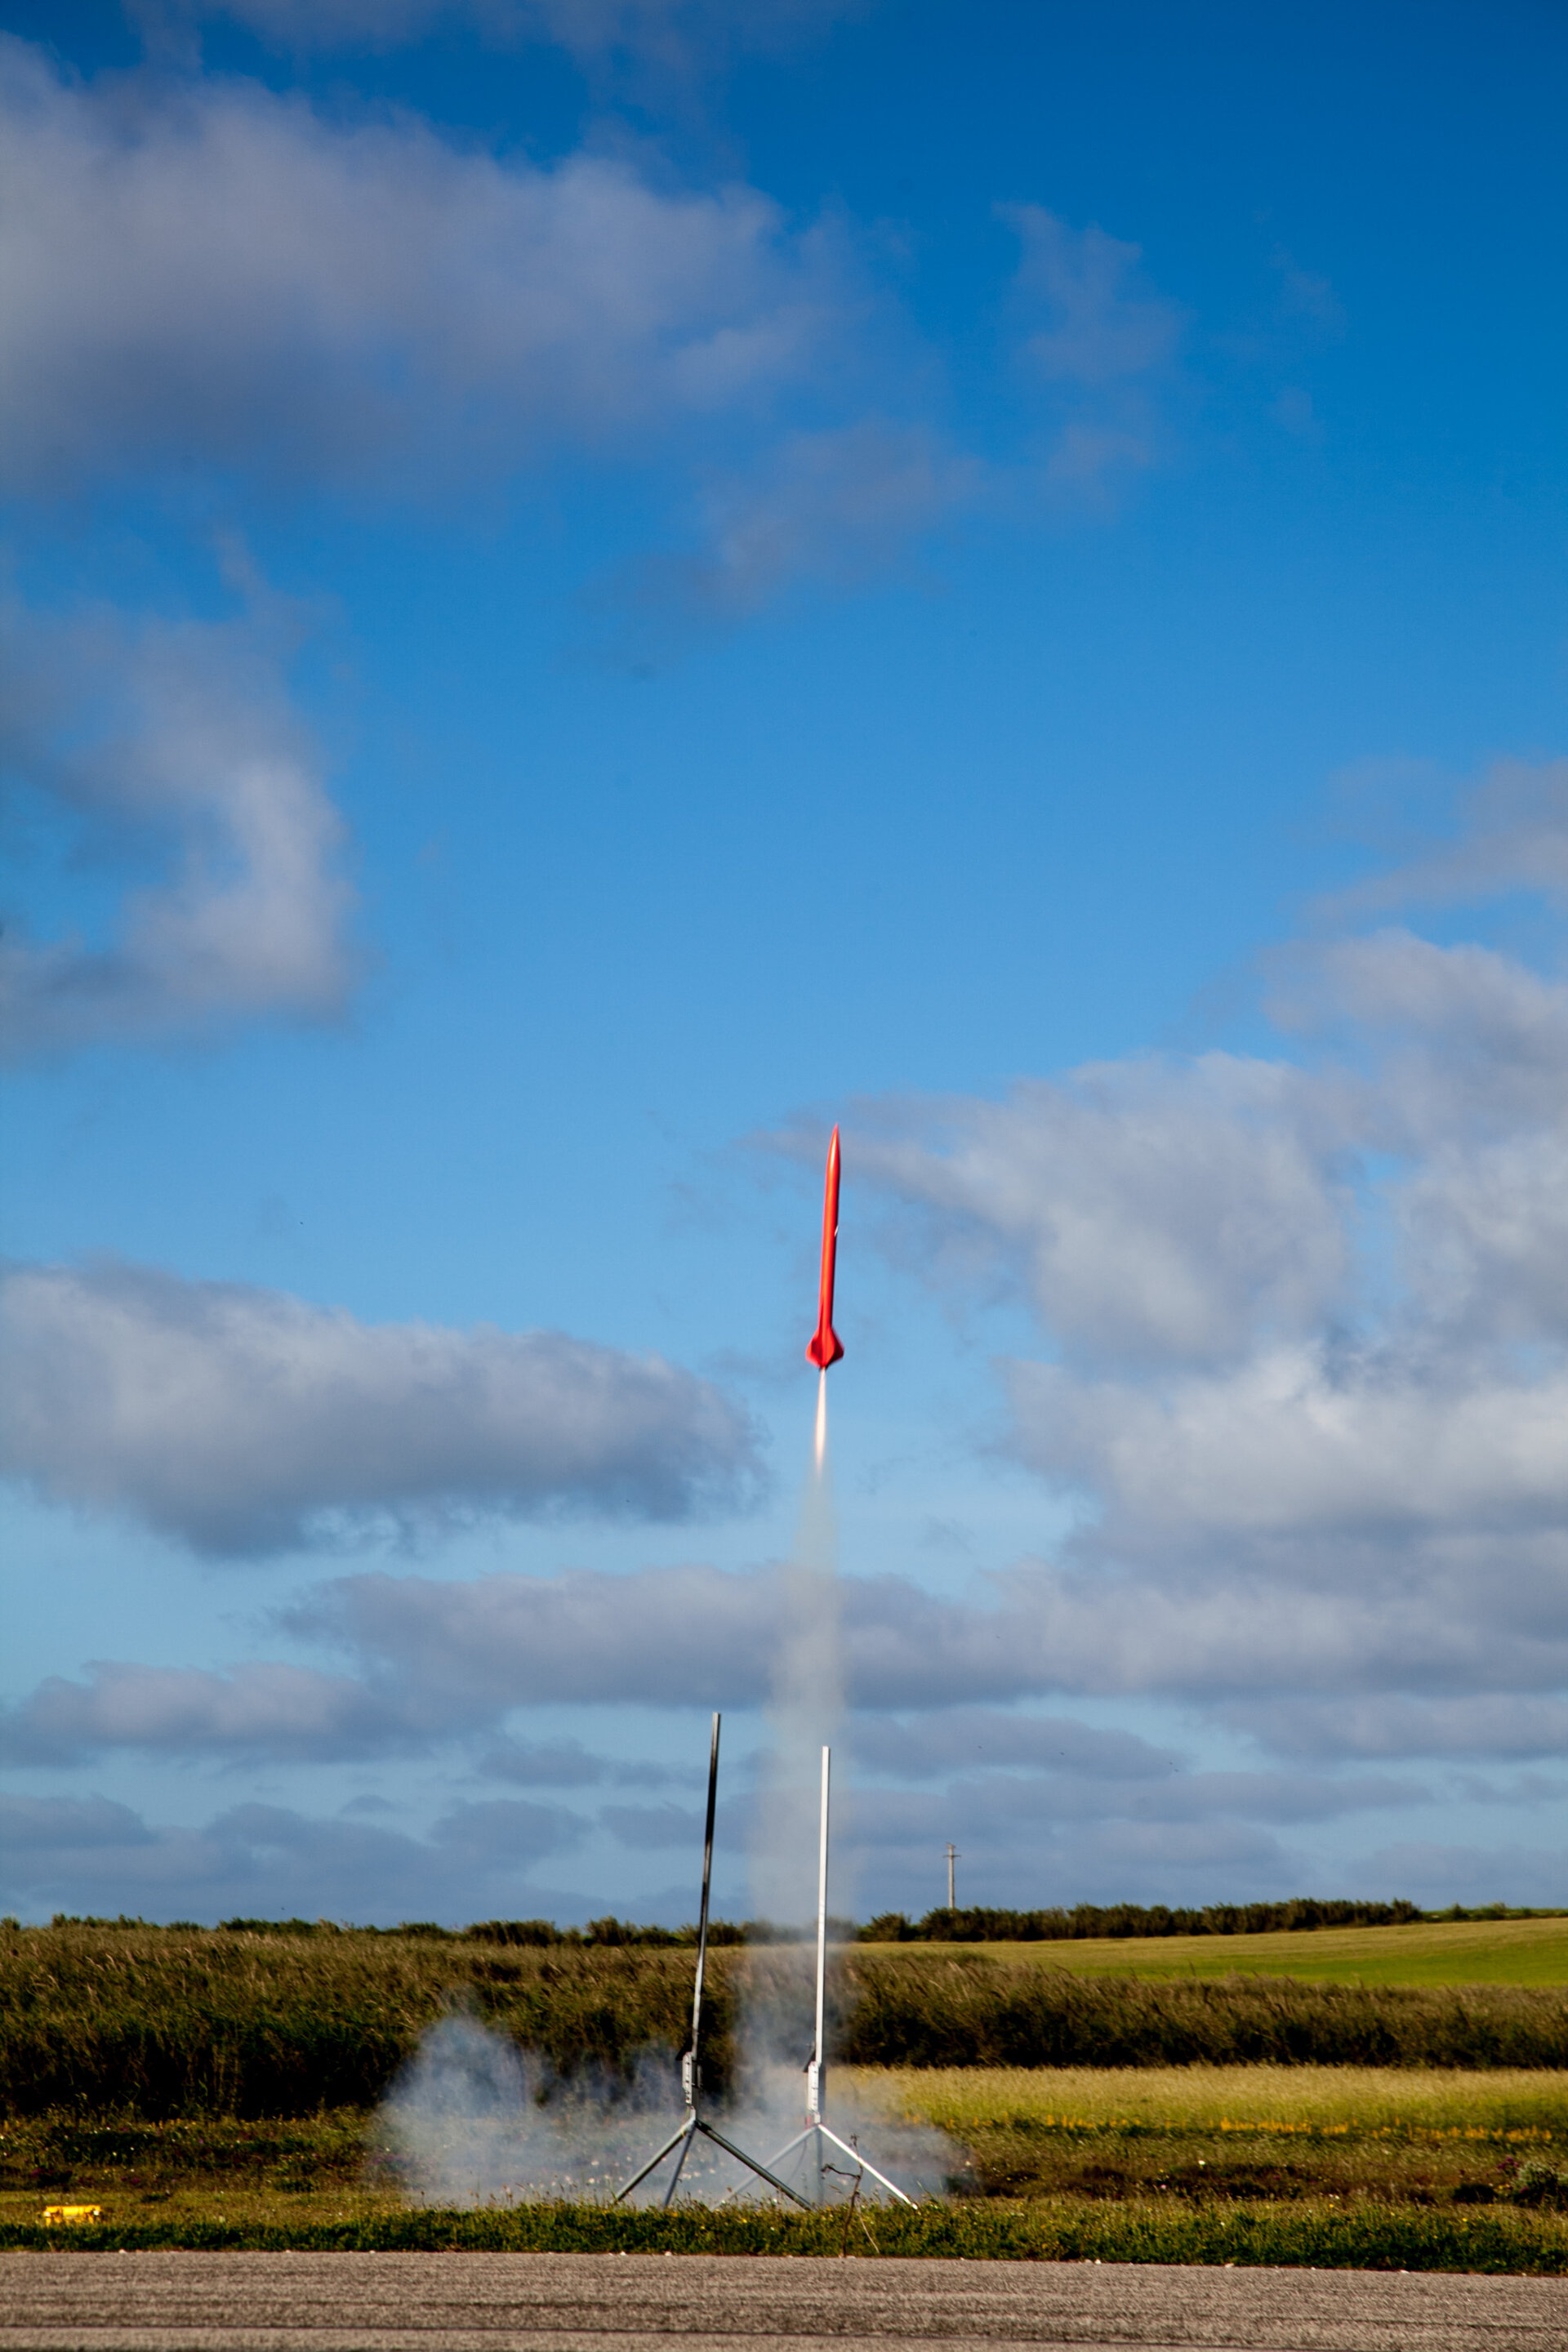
(694, 2121)
(817, 2139)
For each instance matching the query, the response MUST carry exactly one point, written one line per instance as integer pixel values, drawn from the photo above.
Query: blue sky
(592, 586)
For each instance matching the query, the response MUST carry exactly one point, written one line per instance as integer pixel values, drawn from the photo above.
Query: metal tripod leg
(688, 2127)
(802, 2139)
(680, 2160)
(855, 2156)
(799, 2141)
(751, 2164)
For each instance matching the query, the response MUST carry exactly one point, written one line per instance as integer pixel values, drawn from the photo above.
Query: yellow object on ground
(56, 2213)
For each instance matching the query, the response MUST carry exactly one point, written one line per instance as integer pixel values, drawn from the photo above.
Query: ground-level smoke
(473, 2121)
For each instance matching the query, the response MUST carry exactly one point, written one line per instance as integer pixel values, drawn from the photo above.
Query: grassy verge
(1060, 2229)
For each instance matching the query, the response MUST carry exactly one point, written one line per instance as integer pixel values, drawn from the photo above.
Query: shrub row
(252, 2025)
(977, 1925)
(972, 1925)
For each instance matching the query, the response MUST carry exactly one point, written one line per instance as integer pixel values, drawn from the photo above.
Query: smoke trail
(807, 1705)
(775, 2027)
(474, 2120)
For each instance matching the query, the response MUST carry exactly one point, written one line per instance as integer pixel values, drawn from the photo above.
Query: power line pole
(952, 1856)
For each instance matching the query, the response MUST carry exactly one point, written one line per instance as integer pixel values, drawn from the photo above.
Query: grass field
(1205, 2136)
(1472, 1951)
(171, 2022)
(219, 2089)
(1194, 2137)
(1354, 2100)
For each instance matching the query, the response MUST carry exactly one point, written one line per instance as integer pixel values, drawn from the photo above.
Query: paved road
(617, 2302)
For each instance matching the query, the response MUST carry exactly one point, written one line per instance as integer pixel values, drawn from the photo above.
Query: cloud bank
(167, 752)
(270, 1862)
(242, 1420)
(208, 274)
(1304, 1372)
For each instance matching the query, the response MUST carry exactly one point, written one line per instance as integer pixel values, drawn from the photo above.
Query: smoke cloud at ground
(473, 2120)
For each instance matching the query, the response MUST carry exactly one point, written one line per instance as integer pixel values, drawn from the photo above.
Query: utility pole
(952, 1856)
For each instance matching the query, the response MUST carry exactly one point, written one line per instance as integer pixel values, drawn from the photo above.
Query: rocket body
(824, 1347)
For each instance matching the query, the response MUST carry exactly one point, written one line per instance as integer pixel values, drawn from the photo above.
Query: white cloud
(836, 504)
(168, 749)
(674, 34)
(1293, 1442)
(259, 1708)
(242, 1419)
(1305, 1371)
(1489, 1724)
(927, 1748)
(669, 1637)
(1510, 833)
(208, 274)
(1154, 1211)
(1097, 345)
(1101, 326)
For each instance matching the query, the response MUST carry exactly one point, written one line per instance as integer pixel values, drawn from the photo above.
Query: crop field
(213, 2088)
(1344, 2100)
(1449, 1952)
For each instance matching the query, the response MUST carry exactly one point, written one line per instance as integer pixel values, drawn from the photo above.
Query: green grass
(1311, 2099)
(1062, 2230)
(1333, 2167)
(1204, 2136)
(1475, 1951)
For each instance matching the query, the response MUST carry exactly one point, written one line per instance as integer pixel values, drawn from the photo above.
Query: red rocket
(824, 1347)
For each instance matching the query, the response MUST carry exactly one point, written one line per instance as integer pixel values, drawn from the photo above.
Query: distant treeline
(976, 1925)
(600, 1935)
(981, 1926)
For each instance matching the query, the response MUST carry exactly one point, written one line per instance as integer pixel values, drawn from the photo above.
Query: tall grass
(163, 2023)
(166, 2024)
(965, 2010)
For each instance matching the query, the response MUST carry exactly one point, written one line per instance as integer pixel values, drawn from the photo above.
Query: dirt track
(449, 2303)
